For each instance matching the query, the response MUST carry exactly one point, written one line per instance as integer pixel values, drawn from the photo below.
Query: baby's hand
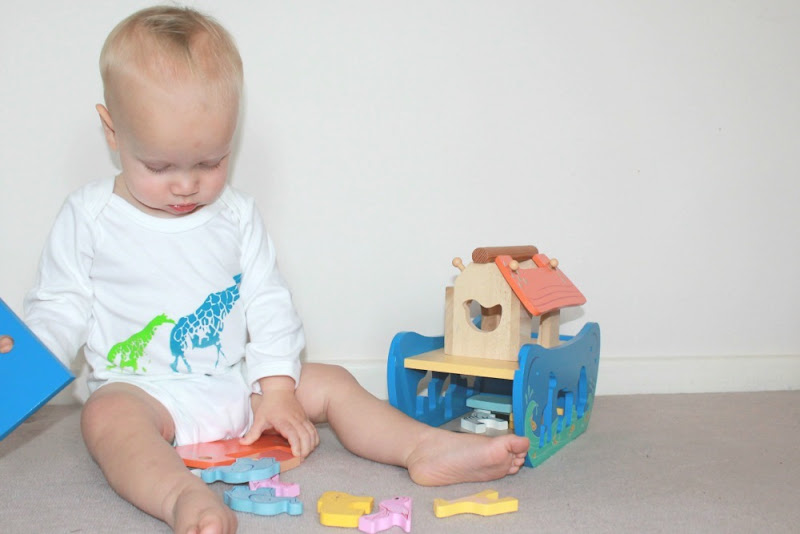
(6, 344)
(279, 410)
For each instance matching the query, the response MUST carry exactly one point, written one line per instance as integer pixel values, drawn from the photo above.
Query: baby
(168, 279)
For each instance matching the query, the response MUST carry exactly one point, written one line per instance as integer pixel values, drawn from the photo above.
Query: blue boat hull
(552, 393)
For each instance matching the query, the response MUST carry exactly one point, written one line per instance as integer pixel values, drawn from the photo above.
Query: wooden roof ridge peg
(489, 254)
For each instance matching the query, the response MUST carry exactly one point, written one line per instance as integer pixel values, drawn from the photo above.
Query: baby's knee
(97, 414)
(323, 374)
(99, 406)
(118, 406)
(321, 382)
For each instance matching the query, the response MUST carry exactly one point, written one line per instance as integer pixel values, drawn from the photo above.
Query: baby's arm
(279, 410)
(6, 344)
(58, 307)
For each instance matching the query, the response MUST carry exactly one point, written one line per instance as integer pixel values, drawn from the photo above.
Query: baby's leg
(128, 433)
(372, 428)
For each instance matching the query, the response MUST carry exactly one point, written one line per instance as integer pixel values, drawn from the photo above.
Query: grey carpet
(648, 463)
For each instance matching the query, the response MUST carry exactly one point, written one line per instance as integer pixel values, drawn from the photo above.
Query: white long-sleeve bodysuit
(164, 299)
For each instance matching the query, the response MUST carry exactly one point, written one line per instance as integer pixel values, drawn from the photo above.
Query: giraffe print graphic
(127, 353)
(202, 328)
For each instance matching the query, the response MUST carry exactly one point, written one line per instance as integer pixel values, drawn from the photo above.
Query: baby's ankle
(197, 509)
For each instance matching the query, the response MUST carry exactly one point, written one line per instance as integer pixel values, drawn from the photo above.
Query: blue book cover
(30, 375)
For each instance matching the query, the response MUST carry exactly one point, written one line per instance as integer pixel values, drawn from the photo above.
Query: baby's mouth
(183, 208)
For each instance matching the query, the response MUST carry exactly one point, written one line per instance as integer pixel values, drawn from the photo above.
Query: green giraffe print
(128, 352)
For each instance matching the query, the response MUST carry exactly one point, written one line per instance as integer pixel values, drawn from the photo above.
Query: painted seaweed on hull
(560, 437)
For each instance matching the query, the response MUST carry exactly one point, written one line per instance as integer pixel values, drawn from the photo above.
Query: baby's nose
(185, 184)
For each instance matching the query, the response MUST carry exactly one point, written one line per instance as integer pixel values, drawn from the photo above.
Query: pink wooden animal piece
(282, 489)
(391, 513)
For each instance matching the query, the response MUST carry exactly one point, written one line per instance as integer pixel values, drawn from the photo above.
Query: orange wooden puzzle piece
(226, 451)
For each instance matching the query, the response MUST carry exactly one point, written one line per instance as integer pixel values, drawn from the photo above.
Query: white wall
(650, 147)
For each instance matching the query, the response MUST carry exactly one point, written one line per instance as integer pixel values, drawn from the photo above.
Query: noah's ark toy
(501, 365)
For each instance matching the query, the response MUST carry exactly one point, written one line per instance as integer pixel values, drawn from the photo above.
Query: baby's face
(174, 145)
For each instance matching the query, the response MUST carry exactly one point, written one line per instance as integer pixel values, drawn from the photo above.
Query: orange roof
(541, 289)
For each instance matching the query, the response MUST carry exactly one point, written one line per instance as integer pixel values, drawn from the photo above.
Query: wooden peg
(513, 265)
(554, 264)
(458, 263)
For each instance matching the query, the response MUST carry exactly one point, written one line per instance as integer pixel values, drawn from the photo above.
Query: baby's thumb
(250, 437)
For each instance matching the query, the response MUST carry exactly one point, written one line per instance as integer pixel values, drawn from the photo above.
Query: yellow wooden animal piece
(338, 509)
(484, 503)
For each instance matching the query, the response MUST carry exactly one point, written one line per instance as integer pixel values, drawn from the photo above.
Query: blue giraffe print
(202, 328)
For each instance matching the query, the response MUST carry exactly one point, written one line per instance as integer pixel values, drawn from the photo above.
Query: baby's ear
(108, 126)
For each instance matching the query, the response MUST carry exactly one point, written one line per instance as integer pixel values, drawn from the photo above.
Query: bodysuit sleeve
(275, 331)
(58, 307)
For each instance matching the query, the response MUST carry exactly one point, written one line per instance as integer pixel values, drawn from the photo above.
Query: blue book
(30, 375)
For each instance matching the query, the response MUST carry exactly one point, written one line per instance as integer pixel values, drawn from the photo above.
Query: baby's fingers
(254, 433)
(308, 439)
(250, 437)
(314, 441)
(302, 437)
(6, 344)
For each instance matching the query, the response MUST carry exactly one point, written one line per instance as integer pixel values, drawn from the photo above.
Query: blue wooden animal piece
(30, 375)
(242, 470)
(202, 328)
(490, 402)
(261, 501)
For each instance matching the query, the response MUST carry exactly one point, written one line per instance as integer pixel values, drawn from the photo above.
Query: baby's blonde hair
(172, 44)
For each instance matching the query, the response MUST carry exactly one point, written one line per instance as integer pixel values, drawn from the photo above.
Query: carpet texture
(648, 463)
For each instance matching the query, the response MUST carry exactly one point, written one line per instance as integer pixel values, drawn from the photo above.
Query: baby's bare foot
(198, 510)
(450, 458)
